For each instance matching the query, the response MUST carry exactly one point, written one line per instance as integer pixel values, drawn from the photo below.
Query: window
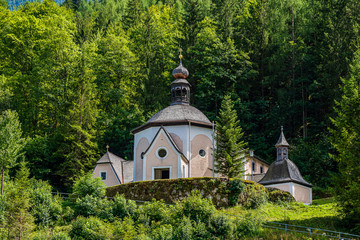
(261, 169)
(183, 173)
(202, 153)
(103, 175)
(161, 152)
(162, 173)
(253, 167)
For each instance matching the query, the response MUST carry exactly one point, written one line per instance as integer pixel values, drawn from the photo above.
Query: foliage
(19, 221)
(11, 142)
(91, 228)
(236, 186)
(231, 148)
(88, 185)
(46, 208)
(122, 208)
(254, 196)
(345, 134)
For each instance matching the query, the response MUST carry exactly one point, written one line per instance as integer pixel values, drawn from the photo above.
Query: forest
(81, 75)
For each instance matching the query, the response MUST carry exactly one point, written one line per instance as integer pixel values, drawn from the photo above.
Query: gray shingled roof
(121, 167)
(281, 172)
(179, 112)
(282, 140)
(179, 81)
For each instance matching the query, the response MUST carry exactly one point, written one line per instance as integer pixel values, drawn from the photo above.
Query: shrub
(46, 208)
(163, 232)
(125, 229)
(88, 185)
(254, 196)
(184, 229)
(154, 211)
(122, 207)
(220, 226)
(236, 186)
(196, 208)
(91, 228)
(94, 206)
(276, 195)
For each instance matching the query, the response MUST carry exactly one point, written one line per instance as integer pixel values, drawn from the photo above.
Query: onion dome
(180, 71)
(180, 88)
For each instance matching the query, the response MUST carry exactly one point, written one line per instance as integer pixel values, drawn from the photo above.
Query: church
(177, 142)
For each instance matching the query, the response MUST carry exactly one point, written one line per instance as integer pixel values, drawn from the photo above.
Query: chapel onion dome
(180, 88)
(179, 112)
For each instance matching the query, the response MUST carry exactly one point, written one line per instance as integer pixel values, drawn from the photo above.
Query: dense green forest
(80, 76)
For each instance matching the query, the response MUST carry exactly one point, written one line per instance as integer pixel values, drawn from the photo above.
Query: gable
(111, 176)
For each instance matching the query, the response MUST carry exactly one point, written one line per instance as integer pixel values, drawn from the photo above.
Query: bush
(276, 195)
(163, 232)
(220, 226)
(236, 186)
(184, 229)
(46, 208)
(122, 207)
(155, 211)
(254, 196)
(125, 230)
(88, 185)
(91, 228)
(196, 208)
(94, 206)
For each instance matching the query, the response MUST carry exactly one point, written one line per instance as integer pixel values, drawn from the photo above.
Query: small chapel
(178, 142)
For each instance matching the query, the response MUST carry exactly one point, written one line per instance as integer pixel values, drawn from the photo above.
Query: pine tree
(346, 140)
(231, 148)
(19, 220)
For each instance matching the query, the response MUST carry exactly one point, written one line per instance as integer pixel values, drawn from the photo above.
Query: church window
(253, 167)
(162, 152)
(261, 169)
(202, 153)
(103, 175)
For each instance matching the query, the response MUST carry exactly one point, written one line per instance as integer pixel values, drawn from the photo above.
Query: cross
(180, 51)
(107, 147)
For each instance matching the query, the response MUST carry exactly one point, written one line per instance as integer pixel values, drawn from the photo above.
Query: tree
(231, 148)
(19, 220)
(11, 142)
(346, 140)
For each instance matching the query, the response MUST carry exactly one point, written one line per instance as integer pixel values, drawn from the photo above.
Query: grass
(321, 214)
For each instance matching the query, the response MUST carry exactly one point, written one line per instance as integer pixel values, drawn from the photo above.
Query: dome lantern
(180, 88)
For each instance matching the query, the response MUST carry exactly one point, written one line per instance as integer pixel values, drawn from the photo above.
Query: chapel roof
(123, 169)
(281, 172)
(282, 140)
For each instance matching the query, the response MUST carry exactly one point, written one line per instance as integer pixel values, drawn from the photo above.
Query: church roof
(179, 112)
(123, 169)
(282, 140)
(176, 115)
(283, 171)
